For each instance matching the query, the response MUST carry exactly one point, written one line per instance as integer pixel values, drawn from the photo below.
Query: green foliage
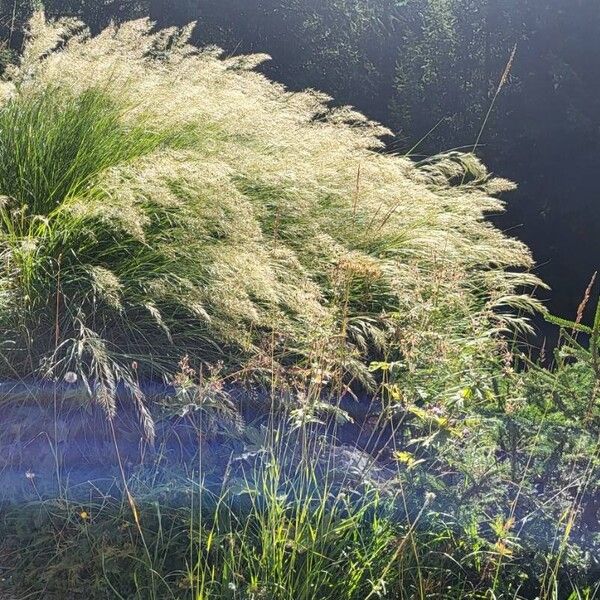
(70, 271)
(452, 60)
(273, 530)
(175, 216)
(295, 517)
(75, 140)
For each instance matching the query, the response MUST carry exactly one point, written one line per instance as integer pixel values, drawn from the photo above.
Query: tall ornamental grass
(160, 201)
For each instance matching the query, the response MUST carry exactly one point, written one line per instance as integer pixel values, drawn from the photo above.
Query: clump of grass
(175, 203)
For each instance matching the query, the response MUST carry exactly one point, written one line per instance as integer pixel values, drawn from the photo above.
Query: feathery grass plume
(503, 81)
(586, 298)
(162, 201)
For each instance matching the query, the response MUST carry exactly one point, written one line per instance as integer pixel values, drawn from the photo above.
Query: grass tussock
(173, 202)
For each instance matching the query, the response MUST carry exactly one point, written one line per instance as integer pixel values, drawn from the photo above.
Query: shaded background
(418, 64)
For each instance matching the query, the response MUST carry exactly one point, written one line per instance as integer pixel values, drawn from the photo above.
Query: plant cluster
(313, 331)
(175, 203)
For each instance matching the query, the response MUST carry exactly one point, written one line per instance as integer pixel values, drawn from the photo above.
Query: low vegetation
(301, 345)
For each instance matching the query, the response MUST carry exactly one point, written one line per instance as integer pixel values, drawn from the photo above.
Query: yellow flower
(503, 549)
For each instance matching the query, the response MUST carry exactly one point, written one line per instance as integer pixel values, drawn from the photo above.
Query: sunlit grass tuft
(171, 202)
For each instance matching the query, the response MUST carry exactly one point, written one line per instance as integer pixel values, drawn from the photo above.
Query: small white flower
(29, 474)
(232, 586)
(70, 377)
